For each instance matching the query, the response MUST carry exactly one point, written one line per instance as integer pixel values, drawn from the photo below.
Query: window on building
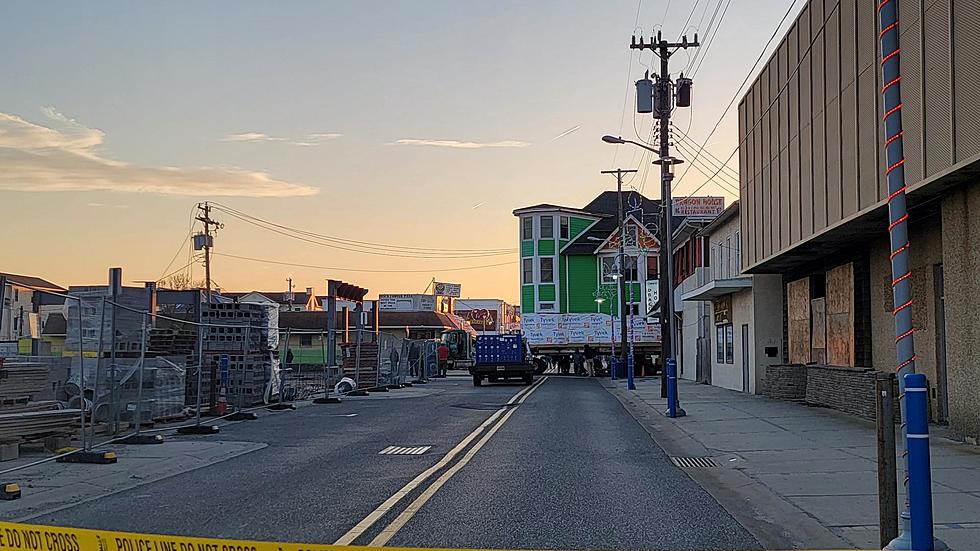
(729, 344)
(738, 253)
(609, 269)
(729, 258)
(547, 271)
(306, 340)
(725, 343)
(653, 266)
(546, 307)
(528, 269)
(633, 309)
(547, 227)
(563, 227)
(16, 294)
(632, 274)
(527, 228)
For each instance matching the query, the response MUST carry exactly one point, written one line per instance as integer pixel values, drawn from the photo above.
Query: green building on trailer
(569, 259)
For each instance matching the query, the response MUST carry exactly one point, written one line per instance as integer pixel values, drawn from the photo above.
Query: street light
(667, 272)
(600, 297)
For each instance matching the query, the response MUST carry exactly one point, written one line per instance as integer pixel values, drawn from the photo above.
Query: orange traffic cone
(222, 406)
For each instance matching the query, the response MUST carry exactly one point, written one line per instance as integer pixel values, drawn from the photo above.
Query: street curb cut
(773, 521)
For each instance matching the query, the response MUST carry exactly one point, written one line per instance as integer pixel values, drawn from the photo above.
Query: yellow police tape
(36, 537)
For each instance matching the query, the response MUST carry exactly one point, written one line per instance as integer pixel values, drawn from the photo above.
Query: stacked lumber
(21, 381)
(34, 424)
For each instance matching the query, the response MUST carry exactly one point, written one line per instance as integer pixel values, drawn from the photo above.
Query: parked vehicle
(502, 357)
(461, 348)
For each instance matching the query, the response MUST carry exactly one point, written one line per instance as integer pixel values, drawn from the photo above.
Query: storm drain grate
(694, 462)
(404, 450)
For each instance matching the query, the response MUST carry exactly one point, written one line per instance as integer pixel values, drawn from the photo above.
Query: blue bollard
(671, 388)
(629, 373)
(917, 444)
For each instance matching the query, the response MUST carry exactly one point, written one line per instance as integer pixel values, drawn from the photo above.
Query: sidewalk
(819, 461)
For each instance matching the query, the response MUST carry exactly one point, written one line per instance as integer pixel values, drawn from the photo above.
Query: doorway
(745, 357)
(942, 396)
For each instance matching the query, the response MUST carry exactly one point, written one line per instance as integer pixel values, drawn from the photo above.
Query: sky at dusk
(412, 123)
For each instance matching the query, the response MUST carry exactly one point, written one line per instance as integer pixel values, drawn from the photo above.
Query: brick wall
(844, 389)
(785, 382)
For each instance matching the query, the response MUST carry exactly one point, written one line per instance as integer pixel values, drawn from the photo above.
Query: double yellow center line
(494, 422)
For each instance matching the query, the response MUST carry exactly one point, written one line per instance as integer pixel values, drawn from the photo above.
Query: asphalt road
(567, 468)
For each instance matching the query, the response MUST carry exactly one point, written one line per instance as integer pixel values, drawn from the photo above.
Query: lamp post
(668, 343)
(601, 294)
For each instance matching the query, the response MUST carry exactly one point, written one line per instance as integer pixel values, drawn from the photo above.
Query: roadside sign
(224, 365)
(699, 207)
(448, 289)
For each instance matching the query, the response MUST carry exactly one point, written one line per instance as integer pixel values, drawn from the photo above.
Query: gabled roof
(725, 216)
(645, 235)
(606, 204)
(31, 281)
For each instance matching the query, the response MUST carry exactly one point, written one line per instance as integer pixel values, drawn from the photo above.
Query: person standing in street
(443, 359)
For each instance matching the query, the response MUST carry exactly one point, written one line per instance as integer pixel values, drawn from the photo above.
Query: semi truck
(502, 357)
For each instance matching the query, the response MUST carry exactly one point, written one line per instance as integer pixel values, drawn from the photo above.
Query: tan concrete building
(814, 194)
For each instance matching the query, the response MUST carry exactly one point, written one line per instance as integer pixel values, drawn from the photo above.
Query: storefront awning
(717, 288)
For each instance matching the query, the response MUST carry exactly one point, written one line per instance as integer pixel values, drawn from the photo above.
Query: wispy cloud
(64, 156)
(314, 139)
(567, 132)
(251, 137)
(455, 144)
(103, 205)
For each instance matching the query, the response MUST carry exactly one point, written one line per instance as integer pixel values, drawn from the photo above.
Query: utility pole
(660, 101)
(3, 291)
(206, 243)
(619, 172)
(289, 292)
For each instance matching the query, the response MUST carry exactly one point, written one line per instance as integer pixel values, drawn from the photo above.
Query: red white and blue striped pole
(899, 238)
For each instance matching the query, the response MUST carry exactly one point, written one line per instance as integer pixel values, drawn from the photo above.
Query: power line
(707, 31)
(365, 270)
(729, 173)
(710, 41)
(190, 230)
(363, 247)
(707, 173)
(746, 79)
(629, 71)
(687, 138)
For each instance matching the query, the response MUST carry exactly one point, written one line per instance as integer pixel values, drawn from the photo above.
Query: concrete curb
(774, 522)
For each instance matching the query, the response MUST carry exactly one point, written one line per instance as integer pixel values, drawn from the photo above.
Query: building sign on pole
(448, 289)
(699, 207)
(653, 294)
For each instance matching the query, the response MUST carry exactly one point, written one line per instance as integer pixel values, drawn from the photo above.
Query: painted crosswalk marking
(404, 450)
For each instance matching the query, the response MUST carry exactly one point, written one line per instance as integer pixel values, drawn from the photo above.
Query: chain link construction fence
(113, 366)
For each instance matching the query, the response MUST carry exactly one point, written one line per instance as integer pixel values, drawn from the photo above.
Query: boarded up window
(840, 315)
(798, 305)
(818, 341)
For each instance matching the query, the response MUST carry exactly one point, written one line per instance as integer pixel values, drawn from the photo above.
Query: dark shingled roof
(32, 281)
(607, 205)
(55, 325)
(415, 319)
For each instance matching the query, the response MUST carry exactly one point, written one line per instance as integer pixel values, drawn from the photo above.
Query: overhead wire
(686, 138)
(364, 270)
(629, 71)
(707, 32)
(748, 75)
(775, 97)
(190, 230)
(363, 247)
(703, 52)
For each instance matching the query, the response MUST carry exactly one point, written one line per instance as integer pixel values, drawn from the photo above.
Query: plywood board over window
(818, 341)
(798, 306)
(840, 315)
